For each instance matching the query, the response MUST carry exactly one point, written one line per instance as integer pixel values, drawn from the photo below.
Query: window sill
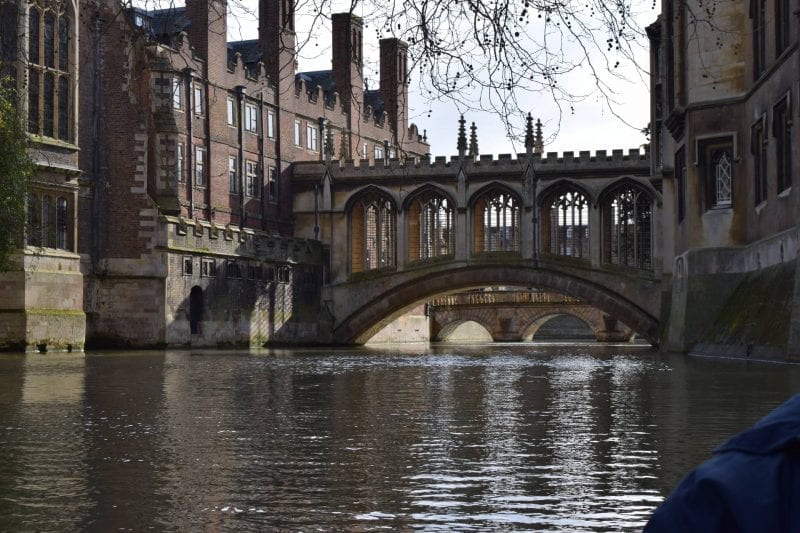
(51, 141)
(760, 207)
(785, 193)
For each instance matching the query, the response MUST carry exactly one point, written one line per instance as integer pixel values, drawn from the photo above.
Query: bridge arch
(383, 302)
(529, 331)
(448, 329)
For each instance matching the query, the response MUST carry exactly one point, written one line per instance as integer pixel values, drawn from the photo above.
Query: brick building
(161, 212)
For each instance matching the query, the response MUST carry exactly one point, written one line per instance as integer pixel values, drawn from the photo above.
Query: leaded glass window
(627, 221)
(566, 223)
(497, 222)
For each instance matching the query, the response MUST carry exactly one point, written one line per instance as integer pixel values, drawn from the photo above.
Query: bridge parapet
(503, 297)
(634, 160)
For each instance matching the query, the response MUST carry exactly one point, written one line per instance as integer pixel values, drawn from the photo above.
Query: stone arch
(443, 331)
(430, 224)
(372, 230)
(386, 302)
(496, 218)
(564, 220)
(533, 326)
(627, 224)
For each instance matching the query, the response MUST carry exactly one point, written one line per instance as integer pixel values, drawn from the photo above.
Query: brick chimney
(394, 86)
(208, 31)
(276, 39)
(347, 61)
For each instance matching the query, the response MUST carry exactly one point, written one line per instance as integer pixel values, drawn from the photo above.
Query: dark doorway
(195, 309)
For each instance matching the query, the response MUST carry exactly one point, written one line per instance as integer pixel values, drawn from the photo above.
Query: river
(468, 438)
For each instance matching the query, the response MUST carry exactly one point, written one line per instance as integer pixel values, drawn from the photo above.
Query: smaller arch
(367, 191)
(496, 219)
(534, 327)
(448, 330)
(195, 309)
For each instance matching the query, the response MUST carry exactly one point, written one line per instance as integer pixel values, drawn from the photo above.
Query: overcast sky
(593, 125)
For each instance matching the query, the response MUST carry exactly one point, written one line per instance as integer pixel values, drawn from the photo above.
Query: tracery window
(373, 233)
(8, 39)
(716, 163)
(48, 69)
(496, 222)
(627, 227)
(430, 227)
(565, 223)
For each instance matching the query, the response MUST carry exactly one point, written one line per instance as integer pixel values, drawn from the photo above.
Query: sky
(593, 124)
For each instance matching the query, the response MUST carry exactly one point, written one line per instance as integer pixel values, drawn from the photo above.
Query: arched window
(430, 227)
(8, 40)
(496, 222)
(565, 223)
(627, 227)
(373, 233)
(49, 70)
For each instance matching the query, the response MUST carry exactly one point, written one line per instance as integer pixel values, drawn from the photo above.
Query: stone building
(724, 106)
(160, 212)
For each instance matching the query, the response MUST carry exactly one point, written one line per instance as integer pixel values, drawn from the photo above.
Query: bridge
(510, 316)
(405, 231)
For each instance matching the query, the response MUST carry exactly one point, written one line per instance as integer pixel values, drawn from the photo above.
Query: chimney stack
(348, 59)
(394, 86)
(276, 40)
(208, 32)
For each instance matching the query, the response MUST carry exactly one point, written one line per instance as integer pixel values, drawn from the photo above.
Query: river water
(472, 437)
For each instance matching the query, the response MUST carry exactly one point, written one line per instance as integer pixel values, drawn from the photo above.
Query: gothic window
(715, 161)
(565, 223)
(758, 13)
(680, 183)
(783, 16)
(8, 39)
(49, 70)
(430, 227)
(496, 222)
(782, 131)
(758, 149)
(627, 227)
(48, 221)
(373, 233)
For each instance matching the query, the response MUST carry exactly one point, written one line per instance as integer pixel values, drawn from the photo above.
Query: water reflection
(470, 438)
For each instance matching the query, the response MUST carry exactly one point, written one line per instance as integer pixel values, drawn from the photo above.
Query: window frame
(272, 183)
(198, 105)
(233, 174)
(298, 133)
(271, 124)
(231, 111)
(200, 164)
(250, 117)
(782, 132)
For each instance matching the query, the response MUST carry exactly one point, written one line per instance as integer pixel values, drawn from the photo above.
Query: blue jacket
(751, 484)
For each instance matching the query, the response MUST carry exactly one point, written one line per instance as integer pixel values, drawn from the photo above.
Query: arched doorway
(195, 309)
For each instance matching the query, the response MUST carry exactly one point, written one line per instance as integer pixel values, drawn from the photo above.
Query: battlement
(633, 158)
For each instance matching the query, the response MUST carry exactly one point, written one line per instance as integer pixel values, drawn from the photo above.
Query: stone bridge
(511, 316)
(401, 232)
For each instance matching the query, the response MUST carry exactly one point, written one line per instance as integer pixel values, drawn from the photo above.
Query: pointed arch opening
(565, 222)
(496, 221)
(430, 216)
(373, 232)
(627, 220)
